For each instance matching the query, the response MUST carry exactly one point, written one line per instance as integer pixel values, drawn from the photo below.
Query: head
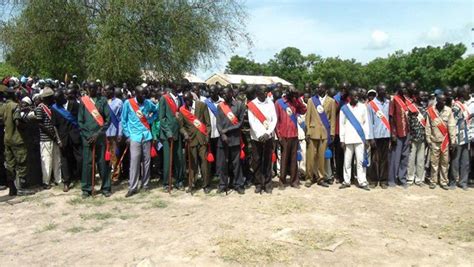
(228, 95)
(188, 99)
(371, 94)
(381, 91)
(440, 101)
(71, 93)
(250, 92)
(332, 92)
(423, 97)
(140, 94)
(345, 87)
(277, 93)
(402, 89)
(118, 93)
(261, 93)
(322, 89)
(306, 97)
(412, 88)
(353, 95)
(109, 91)
(214, 92)
(60, 97)
(93, 89)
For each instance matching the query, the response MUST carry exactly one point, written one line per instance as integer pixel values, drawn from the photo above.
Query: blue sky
(363, 30)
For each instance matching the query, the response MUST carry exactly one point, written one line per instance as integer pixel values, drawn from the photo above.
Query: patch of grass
(100, 216)
(75, 229)
(128, 200)
(156, 204)
(459, 229)
(125, 216)
(91, 201)
(244, 251)
(47, 204)
(285, 206)
(97, 229)
(314, 239)
(49, 227)
(33, 198)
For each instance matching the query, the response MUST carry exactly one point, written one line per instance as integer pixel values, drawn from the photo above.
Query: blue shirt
(115, 106)
(377, 128)
(133, 128)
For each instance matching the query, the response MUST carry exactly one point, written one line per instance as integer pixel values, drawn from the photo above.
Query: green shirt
(9, 114)
(87, 123)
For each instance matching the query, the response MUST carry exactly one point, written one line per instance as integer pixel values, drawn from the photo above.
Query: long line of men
(181, 132)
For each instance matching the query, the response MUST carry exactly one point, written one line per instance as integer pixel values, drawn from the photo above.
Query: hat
(438, 91)
(27, 100)
(47, 92)
(3, 88)
(35, 96)
(371, 91)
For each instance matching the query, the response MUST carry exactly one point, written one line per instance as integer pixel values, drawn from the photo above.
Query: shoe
(240, 190)
(420, 184)
(106, 193)
(130, 193)
(3, 187)
(145, 189)
(189, 189)
(258, 190)
(180, 187)
(445, 187)
(248, 185)
(12, 191)
(365, 187)
(46, 186)
(452, 187)
(220, 190)
(268, 190)
(372, 186)
(323, 184)
(432, 186)
(344, 185)
(330, 181)
(207, 190)
(465, 188)
(281, 186)
(66, 188)
(405, 186)
(296, 186)
(86, 194)
(25, 192)
(383, 186)
(166, 188)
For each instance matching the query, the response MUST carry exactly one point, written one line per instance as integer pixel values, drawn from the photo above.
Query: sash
(115, 121)
(400, 102)
(92, 109)
(289, 112)
(380, 114)
(323, 116)
(171, 103)
(192, 119)
(438, 122)
(46, 110)
(211, 106)
(466, 114)
(414, 109)
(228, 113)
(138, 112)
(65, 114)
(355, 123)
(258, 114)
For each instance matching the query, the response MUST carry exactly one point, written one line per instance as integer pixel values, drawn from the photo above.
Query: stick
(226, 152)
(190, 178)
(123, 155)
(170, 180)
(93, 169)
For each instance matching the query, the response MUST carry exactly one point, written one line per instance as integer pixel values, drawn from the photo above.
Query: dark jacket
(202, 114)
(68, 133)
(232, 131)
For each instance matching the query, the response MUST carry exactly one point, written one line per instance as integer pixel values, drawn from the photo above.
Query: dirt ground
(315, 226)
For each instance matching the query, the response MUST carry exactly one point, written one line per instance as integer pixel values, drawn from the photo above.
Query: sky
(363, 30)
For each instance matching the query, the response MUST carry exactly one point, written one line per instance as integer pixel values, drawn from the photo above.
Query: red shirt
(399, 118)
(285, 127)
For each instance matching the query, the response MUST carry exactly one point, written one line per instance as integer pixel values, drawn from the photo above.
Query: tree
(116, 39)
(245, 66)
(460, 73)
(8, 70)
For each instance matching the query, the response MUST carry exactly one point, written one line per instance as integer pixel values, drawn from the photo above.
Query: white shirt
(214, 132)
(347, 132)
(257, 129)
(175, 98)
(470, 108)
(301, 117)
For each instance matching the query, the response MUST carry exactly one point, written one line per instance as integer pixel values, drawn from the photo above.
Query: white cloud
(379, 40)
(434, 34)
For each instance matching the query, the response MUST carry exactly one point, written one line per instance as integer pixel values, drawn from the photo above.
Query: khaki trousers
(315, 161)
(439, 164)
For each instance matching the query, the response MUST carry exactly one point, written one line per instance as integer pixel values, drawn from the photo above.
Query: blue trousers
(399, 156)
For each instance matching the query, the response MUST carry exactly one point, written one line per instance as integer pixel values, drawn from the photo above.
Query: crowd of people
(187, 135)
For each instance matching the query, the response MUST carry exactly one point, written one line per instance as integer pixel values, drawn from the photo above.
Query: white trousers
(50, 161)
(358, 149)
(302, 163)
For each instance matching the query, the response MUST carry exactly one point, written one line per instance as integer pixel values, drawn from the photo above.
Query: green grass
(459, 229)
(47, 204)
(49, 227)
(75, 229)
(100, 216)
(97, 229)
(125, 216)
(156, 204)
(91, 201)
(314, 239)
(249, 252)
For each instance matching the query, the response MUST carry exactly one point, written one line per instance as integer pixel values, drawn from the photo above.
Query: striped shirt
(44, 119)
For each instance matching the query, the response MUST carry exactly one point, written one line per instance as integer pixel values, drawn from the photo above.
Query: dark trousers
(213, 165)
(471, 175)
(289, 148)
(378, 170)
(3, 171)
(178, 163)
(246, 163)
(197, 158)
(102, 166)
(339, 159)
(262, 163)
(460, 165)
(229, 157)
(71, 162)
(399, 156)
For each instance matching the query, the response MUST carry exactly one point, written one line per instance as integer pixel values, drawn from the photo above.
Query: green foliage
(7, 69)
(431, 67)
(114, 40)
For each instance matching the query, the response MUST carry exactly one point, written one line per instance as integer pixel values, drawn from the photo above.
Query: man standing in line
(379, 136)
(470, 106)
(94, 120)
(212, 102)
(137, 114)
(114, 133)
(354, 127)
(64, 118)
(417, 122)
(288, 108)
(441, 137)
(195, 126)
(400, 146)
(321, 124)
(341, 100)
(171, 139)
(262, 120)
(230, 116)
(49, 140)
(460, 162)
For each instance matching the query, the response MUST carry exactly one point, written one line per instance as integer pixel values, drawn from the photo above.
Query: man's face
(423, 97)
(140, 95)
(441, 101)
(382, 91)
(228, 95)
(60, 98)
(321, 89)
(261, 95)
(403, 88)
(188, 100)
(306, 97)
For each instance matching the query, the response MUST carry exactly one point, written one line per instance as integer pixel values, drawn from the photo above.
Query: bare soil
(315, 226)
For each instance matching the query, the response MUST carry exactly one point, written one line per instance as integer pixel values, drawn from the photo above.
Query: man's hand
(186, 137)
(394, 139)
(119, 139)
(372, 144)
(224, 138)
(60, 144)
(266, 137)
(452, 147)
(223, 131)
(307, 139)
(343, 146)
(127, 141)
(92, 139)
(366, 145)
